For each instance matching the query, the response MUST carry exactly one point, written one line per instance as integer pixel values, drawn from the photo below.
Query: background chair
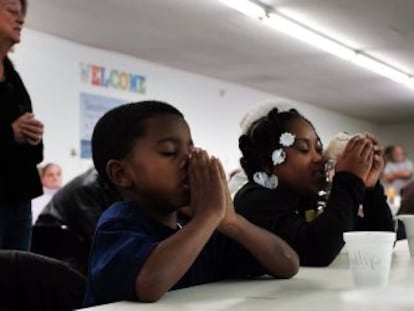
(62, 243)
(33, 282)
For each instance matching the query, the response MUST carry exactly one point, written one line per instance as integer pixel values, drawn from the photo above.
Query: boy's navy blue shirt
(125, 237)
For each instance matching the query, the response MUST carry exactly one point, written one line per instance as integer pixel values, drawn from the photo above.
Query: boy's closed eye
(13, 9)
(172, 147)
(168, 148)
(169, 151)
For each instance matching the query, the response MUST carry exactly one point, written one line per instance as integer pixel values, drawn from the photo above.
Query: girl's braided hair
(262, 138)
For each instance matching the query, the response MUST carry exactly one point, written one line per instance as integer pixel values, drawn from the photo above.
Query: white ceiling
(206, 37)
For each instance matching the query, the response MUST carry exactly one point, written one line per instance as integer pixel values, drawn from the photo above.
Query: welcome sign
(102, 76)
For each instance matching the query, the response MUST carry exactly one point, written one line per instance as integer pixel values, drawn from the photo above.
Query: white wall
(398, 134)
(50, 68)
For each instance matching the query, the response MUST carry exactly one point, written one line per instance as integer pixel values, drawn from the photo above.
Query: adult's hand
(27, 129)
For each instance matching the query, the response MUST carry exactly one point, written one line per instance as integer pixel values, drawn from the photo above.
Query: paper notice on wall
(92, 107)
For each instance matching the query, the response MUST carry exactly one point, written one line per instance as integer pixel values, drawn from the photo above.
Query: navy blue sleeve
(117, 258)
(222, 258)
(241, 264)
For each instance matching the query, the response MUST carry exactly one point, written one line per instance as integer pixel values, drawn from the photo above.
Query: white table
(319, 289)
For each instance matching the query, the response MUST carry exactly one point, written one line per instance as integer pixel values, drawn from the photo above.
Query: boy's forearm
(172, 258)
(276, 256)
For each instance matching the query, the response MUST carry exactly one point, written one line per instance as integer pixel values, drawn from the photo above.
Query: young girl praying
(283, 160)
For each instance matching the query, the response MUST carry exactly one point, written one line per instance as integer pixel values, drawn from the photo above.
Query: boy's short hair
(117, 130)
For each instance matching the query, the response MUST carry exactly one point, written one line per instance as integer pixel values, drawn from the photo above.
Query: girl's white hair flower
(264, 180)
(278, 156)
(287, 139)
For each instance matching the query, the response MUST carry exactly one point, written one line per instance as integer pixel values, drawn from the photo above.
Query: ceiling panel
(208, 38)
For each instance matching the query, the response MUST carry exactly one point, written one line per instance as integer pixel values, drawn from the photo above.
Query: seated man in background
(398, 170)
(66, 225)
(51, 178)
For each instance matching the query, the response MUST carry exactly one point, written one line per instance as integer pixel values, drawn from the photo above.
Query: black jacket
(319, 241)
(19, 178)
(65, 228)
(79, 204)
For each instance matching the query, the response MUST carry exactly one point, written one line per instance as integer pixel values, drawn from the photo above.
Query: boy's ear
(118, 173)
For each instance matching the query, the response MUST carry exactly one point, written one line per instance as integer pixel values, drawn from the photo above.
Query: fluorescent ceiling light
(380, 68)
(300, 32)
(410, 83)
(304, 33)
(246, 7)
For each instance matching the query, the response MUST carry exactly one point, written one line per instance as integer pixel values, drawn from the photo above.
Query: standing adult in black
(21, 147)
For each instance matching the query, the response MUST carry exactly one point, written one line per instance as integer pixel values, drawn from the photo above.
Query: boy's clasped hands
(210, 196)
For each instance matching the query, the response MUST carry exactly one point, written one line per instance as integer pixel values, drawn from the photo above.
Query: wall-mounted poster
(92, 107)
